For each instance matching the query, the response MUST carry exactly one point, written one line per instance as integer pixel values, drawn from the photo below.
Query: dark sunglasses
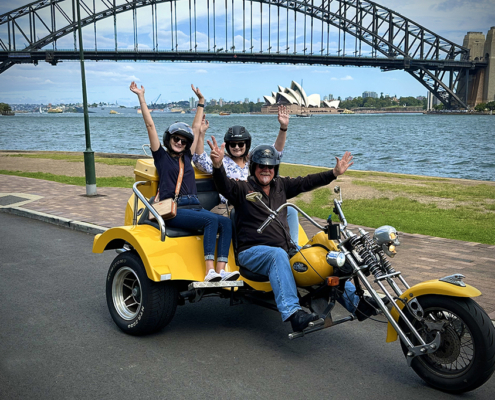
(270, 167)
(238, 144)
(177, 139)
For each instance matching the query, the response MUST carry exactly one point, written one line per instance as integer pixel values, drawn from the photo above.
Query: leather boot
(300, 320)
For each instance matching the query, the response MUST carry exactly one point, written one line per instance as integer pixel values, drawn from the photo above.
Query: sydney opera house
(297, 102)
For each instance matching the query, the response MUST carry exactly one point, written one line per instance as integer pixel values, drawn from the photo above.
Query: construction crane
(154, 103)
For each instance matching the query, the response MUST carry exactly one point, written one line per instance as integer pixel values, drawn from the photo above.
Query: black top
(168, 172)
(251, 215)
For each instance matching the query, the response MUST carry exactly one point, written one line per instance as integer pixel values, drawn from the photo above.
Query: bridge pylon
(481, 87)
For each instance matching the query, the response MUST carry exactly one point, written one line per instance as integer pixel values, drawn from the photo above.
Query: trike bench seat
(208, 197)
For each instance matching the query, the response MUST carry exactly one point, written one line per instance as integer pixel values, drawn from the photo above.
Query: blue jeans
(199, 218)
(349, 299)
(274, 263)
(293, 221)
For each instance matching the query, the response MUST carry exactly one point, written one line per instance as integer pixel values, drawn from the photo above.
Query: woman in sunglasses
(236, 163)
(179, 142)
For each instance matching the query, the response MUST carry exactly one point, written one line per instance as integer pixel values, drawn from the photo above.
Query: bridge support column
(489, 54)
(475, 42)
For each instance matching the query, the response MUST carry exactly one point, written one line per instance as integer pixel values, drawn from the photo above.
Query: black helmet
(237, 134)
(264, 155)
(179, 128)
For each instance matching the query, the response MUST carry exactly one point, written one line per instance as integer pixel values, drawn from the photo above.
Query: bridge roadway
(419, 257)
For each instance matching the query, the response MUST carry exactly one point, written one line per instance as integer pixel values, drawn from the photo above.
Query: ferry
(224, 113)
(55, 110)
(113, 112)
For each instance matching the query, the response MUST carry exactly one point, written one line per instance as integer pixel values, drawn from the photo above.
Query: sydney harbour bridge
(312, 32)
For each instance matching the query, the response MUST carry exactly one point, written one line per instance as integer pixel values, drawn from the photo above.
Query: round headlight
(336, 258)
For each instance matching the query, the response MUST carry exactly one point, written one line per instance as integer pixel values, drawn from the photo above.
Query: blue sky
(109, 81)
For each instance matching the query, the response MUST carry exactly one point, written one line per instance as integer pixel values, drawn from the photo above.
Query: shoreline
(140, 156)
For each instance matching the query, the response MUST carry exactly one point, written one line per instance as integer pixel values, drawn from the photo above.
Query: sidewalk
(419, 257)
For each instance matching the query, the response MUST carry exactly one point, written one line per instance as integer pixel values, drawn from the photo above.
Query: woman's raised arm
(150, 125)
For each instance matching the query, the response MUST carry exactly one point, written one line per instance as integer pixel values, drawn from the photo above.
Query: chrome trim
(158, 217)
(455, 279)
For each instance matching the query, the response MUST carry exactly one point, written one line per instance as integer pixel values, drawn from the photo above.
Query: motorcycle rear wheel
(466, 357)
(138, 305)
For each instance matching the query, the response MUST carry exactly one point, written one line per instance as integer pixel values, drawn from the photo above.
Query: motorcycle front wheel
(465, 359)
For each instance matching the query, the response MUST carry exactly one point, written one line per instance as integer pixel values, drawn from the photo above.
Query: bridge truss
(312, 32)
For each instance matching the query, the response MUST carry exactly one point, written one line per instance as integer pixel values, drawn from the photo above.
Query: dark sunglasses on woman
(238, 144)
(177, 139)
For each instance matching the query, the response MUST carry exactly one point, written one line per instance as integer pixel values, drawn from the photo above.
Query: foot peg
(312, 327)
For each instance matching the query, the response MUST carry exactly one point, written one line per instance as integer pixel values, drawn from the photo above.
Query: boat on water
(346, 111)
(303, 115)
(55, 110)
(177, 111)
(8, 113)
(224, 113)
(113, 112)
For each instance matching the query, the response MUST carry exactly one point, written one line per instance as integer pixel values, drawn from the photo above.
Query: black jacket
(249, 216)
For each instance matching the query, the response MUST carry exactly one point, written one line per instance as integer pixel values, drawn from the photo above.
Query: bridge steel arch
(394, 42)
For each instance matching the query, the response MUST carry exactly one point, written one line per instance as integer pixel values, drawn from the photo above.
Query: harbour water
(453, 146)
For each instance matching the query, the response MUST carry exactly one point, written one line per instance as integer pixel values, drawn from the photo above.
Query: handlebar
(266, 223)
(151, 209)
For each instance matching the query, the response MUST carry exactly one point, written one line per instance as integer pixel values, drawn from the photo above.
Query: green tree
(5, 107)
(491, 105)
(480, 107)
(439, 107)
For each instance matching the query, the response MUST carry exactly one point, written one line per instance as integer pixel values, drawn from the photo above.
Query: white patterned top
(203, 163)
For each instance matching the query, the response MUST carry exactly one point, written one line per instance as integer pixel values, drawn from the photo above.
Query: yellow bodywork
(434, 286)
(177, 258)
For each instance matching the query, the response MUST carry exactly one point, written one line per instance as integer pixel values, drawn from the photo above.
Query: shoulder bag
(168, 208)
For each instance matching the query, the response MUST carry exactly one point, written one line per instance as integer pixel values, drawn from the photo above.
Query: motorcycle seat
(208, 197)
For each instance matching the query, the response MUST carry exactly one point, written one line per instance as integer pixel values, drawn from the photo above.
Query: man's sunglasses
(238, 144)
(266, 166)
(177, 139)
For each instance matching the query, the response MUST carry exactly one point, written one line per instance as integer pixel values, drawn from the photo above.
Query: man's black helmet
(264, 155)
(237, 134)
(179, 128)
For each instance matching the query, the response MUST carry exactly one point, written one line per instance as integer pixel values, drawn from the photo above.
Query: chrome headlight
(336, 258)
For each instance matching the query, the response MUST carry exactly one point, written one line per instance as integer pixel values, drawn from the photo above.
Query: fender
(434, 286)
(175, 259)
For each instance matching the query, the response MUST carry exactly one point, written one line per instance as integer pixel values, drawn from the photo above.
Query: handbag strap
(179, 181)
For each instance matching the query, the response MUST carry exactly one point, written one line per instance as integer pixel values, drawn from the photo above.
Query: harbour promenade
(419, 257)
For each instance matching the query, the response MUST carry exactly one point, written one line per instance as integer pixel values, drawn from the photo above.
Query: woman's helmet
(179, 128)
(237, 134)
(264, 155)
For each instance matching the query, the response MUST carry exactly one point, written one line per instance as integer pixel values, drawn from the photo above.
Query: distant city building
(420, 98)
(213, 102)
(192, 102)
(220, 102)
(330, 96)
(349, 98)
(258, 100)
(373, 95)
(246, 100)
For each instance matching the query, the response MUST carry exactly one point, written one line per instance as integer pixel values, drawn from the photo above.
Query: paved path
(419, 257)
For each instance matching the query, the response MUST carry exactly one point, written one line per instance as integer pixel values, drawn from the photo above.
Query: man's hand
(204, 126)
(216, 153)
(198, 93)
(342, 165)
(283, 117)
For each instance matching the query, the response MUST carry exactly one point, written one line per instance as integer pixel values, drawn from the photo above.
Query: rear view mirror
(254, 196)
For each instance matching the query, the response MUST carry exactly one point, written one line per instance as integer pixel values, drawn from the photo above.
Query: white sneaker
(229, 276)
(213, 276)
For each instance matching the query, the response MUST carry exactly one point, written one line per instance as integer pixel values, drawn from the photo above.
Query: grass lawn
(441, 207)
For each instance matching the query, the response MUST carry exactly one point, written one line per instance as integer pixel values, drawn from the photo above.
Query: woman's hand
(198, 93)
(283, 117)
(135, 89)
(204, 126)
(342, 165)
(216, 153)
